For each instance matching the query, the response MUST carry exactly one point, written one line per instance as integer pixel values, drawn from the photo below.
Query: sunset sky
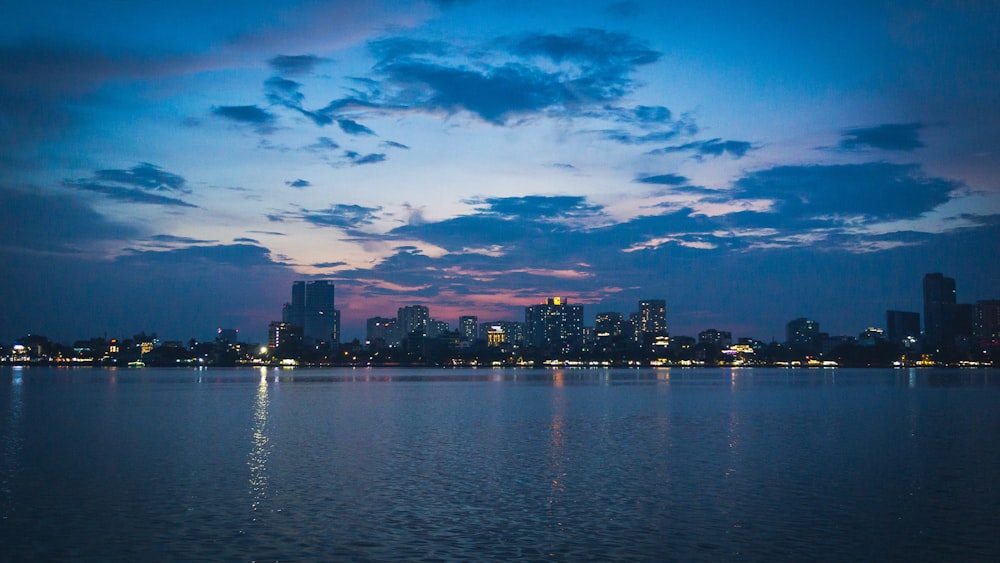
(172, 167)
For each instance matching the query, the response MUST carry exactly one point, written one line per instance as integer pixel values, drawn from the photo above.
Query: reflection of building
(554, 323)
(939, 299)
(313, 308)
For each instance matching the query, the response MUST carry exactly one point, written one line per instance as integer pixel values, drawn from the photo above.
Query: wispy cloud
(888, 136)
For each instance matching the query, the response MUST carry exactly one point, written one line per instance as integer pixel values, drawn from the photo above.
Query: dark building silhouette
(939, 300)
(987, 322)
(468, 325)
(313, 307)
(901, 326)
(652, 320)
(412, 319)
(802, 334)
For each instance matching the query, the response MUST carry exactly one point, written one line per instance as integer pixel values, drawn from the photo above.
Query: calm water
(397, 464)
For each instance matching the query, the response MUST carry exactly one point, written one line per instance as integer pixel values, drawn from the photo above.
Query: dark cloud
(146, 176)
(262, 120)
(712, 147)
(395, 145)
(536, 207)
(663, 179)
(323, 144)
(872, 190)
(172, 239)
(42, 222)
(129, 195)
(343, 216)
(352, 127)
(514, 76)
(357, 158)
(294, 65)
(247, 240)
(889, 136)
(329, 264)
(135, 184)
(299, 183)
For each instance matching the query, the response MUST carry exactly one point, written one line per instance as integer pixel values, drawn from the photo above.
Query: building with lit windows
(467, 327)
(412, 319)
(554, 323)
(652, 320)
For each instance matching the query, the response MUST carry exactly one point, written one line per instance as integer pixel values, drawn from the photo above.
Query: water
(432, 465)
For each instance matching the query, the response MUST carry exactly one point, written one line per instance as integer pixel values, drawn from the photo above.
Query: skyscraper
(467, 326)
(988, 319)
(802, 333)
(939, 300)
(412, 318)
(313, 308)
(652, 319)
(554, 323)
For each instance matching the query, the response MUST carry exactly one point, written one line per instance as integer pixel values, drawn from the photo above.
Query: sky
(173, 167)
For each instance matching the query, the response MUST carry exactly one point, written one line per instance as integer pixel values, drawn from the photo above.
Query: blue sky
(173, 167)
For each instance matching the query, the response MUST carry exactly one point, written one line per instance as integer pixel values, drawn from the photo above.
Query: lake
(438, 465)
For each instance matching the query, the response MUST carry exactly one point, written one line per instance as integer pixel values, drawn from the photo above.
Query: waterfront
(403, 464)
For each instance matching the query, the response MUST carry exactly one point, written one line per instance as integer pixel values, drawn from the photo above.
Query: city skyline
(169, 168)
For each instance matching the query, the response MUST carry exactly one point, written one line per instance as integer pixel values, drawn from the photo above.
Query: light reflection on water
(396, 464)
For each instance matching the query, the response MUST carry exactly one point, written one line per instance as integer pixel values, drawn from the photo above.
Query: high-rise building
(901, 326)
(988, 319)
(802, 333)
(313, 308)
(939, 299)
(412, 318)
(436, 328)
(467, 326)
(652, 319)
(712, 337)
(283, 335)
(513, 331)
(554, 323)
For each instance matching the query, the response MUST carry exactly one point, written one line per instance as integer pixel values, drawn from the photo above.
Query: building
(902, 326)
(652, 319)
(555, 323)
(282, 335)
(412, 319)
(716, 338)
(939, 299)
(513, 331)
(987, 323)
(382, 329)
(436, 328)
(608, 325)
(313, 307)
(467, 326)
(802, 333)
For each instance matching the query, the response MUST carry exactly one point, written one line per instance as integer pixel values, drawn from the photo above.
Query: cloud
(871, 190)
(395, 145)
(358, 159)
(323, 144)
(329, 264)
(508, 78)
(262, 120)
(43, 222)
(663, 180)
(352, 127)
(173, 239)
(247, 240)
(135, 184)
(343, 216)
(146, 176)
(888, 136)
(300, 183)
(711, 147)
(537, 207)
(294, 65)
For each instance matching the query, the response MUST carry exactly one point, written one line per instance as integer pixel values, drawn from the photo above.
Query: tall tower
(652, 319)
(313, 308)
(939, 301)
(553, 323)
(412, 318)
